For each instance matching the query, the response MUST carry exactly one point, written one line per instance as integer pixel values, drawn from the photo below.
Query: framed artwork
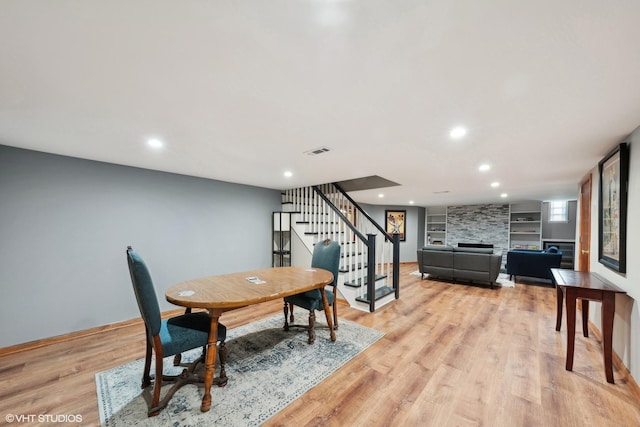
(395, 223)
(612, 208)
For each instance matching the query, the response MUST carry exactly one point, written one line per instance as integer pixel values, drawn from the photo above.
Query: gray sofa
(460, 264)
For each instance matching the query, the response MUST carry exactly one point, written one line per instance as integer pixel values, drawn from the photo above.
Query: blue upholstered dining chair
(170, 337)
(326, 255)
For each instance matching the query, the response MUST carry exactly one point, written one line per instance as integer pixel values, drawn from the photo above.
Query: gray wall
(559, 230)
(408, 248)
(65, 224)
(626, 324)
(422, 237)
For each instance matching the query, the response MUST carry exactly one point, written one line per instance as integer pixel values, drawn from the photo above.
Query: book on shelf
(534, 247)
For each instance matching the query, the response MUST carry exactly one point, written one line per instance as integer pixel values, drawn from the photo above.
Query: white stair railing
(369, 260)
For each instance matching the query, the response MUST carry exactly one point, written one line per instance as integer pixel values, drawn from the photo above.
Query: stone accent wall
(479, 224)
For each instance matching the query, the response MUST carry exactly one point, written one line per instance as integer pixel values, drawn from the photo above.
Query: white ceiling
(238, 90)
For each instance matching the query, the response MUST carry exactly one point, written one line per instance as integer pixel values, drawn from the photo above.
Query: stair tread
(354, 266)
(358, 282)
(379, 293)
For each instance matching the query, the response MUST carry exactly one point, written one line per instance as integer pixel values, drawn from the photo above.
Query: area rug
(502, 280)
(267, 369)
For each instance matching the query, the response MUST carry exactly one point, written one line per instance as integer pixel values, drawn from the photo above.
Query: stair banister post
(396, 264)
(312, 219)
(371, 271)
(305, 197)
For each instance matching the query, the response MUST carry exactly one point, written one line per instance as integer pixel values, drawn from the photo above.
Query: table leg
(559, 298)
(210, 364)
(585, 317)
(325, 303)
(608, 311)
(570, 296)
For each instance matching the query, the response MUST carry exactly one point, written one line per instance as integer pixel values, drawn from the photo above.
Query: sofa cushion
(471, 262)
(474, 250)
(440, 248)
(442, 259)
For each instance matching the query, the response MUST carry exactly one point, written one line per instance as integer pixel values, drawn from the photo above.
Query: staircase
(369, 267)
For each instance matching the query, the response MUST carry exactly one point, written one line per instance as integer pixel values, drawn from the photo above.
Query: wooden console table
(587, 287)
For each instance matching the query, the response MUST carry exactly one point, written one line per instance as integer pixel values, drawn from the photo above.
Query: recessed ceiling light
(457, 132)
(288, 174)
(495, 184)
(484, 168)
(411, 202)
(504, 195)
(381, 195)
(155, 143)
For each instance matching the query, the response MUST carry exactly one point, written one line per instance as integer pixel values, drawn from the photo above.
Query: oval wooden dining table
(218, 294)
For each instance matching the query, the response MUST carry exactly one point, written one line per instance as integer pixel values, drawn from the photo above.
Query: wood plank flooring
(452, 355)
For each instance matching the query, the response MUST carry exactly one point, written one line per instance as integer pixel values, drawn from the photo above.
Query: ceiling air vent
(317, 151)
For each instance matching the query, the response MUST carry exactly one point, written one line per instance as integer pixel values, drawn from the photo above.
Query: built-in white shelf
(436, 225)
(525, 225)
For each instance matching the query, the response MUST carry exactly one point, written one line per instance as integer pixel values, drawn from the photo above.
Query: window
(559, 211)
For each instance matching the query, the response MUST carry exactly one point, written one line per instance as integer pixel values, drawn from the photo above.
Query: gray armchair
(533, 263)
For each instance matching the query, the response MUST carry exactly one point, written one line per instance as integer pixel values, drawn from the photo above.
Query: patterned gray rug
(267, 369)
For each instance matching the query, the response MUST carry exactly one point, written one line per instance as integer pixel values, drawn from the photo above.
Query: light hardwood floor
(452, 355)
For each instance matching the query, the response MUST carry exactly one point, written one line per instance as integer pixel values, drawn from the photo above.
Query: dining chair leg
(146, 378)
(157, 386)
(312, 326)
(222, 352)
(177, 359)
(286, 316)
